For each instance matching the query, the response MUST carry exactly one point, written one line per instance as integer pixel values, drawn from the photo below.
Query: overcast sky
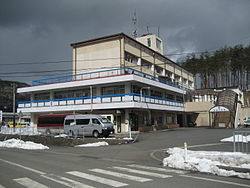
(35, 31)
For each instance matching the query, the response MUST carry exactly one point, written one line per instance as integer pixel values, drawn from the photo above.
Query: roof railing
(101, 74)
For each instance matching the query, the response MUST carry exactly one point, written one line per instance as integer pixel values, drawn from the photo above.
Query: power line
(102, 59)
(71, 70)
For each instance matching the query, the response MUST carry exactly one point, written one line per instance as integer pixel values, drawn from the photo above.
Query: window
(146, 64)
(105, 120)
(109, 118)
(156, 93)
(112, 90)
(149, 42)
(158, 44)
(96, 121)
(82, 121)
(69, 121)
(169, 96)
(74, 93)
(136, 89)
(159, 70)
(41, 96)
(179, 98)
(190, 83)
(131, 58)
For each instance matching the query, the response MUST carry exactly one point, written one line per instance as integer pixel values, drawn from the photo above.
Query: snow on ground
(208, 161)
(238, 138)
(96, 144)
(61, 136)
(16, 143)
(127, 138)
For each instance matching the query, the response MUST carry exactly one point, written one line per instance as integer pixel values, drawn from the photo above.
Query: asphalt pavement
(137, 164)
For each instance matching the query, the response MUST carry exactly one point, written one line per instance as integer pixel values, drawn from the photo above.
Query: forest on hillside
(6, 94)
(226, 67)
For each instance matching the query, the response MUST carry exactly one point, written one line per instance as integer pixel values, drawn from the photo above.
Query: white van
(87, 125)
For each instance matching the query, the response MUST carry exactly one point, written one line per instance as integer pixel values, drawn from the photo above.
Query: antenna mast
(134, 19)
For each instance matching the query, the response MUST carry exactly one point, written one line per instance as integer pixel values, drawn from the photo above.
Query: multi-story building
(128, 80)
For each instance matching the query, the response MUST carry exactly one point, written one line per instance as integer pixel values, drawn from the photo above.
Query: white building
(126, 79)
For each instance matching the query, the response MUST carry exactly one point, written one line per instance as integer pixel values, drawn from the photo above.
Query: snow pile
(61, 136)
(20, 131)
(207, 161)
(16, 143)
(96, 144)
(238, 138)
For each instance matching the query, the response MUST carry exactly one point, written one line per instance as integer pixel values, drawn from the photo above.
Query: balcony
(103, 74)
(129, 100)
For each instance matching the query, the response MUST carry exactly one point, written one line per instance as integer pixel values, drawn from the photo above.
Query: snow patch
(238, 138)
(127, 138)
(16, 143)
(61, 136)
(96, 144)
(208, 161)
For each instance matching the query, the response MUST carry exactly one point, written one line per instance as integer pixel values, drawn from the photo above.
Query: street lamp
(141, 92)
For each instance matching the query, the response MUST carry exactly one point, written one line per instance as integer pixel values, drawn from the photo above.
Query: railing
(240, 141)
(29, 130)
(104, 73)
(129, 97)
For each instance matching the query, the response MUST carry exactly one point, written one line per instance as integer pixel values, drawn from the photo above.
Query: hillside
(6, 94)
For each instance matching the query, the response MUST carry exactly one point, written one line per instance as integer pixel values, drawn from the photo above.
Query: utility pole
(14, 104)
(91, 98)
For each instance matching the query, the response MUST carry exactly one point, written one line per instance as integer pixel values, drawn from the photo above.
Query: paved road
(131, 165)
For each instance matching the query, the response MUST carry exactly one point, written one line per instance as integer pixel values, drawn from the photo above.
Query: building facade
(127, 80)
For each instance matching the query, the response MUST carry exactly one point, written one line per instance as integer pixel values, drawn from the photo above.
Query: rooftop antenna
(147, 29)
(158, 31)
(134, 19)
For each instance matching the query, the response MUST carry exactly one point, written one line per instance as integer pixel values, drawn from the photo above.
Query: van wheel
(96, 134)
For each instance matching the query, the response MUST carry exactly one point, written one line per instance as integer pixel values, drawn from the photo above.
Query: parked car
(87, 125)
(191, 124)
(18, 124)
(247, 121)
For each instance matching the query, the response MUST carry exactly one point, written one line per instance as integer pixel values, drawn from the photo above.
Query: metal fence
(29, 130)
(240, 141)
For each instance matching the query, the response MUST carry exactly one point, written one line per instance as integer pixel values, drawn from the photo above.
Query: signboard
(219, 109)
(1, 115)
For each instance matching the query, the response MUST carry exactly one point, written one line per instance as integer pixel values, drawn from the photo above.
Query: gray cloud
(39, 31)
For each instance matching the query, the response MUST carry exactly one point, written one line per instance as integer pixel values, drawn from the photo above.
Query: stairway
(227, 99)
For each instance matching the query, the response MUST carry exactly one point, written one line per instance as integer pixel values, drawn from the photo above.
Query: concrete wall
(201, 109)
(97, 56)
(198, 106)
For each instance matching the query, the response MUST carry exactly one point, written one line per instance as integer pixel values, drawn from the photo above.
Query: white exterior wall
(105, 55)
(97, 56)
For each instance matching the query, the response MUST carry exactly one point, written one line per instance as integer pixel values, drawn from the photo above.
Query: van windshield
(104, 120)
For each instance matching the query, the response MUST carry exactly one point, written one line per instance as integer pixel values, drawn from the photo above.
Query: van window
(96, 121)
(104, 120)
(82, 121)
(109, 118)
(68, 121)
